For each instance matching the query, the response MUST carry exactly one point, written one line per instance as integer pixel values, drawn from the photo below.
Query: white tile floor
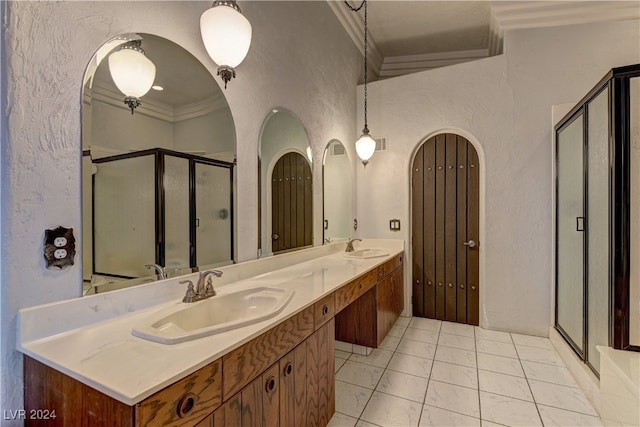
(433, 373)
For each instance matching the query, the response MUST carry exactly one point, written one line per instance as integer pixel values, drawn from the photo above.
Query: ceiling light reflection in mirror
(185, 113)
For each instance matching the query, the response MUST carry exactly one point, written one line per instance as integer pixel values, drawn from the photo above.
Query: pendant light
(365, 145)
(132, 72)
(226, 34)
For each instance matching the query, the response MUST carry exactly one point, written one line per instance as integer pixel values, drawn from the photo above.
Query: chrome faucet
(350, 244)
(160, 273)
(204, 291)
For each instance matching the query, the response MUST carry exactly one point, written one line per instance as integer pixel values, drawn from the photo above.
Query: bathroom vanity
(279, 371)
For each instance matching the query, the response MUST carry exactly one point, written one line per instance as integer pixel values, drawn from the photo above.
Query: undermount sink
(214, 315)
(366, 253)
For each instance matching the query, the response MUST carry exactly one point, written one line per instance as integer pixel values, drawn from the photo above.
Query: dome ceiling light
(226, 34)
(132, 72)
(365, 145)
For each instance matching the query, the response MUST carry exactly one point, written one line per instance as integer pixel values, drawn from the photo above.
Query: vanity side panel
(185, 401)
(247, 362)
(73, 402)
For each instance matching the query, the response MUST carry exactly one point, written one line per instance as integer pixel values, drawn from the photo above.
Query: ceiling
(409, 36)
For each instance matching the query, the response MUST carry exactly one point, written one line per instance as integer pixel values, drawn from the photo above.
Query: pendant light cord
(354, 9)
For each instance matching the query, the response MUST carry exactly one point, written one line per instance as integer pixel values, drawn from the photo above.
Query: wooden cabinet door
(321, 403)
(260, 400)
(293, 388)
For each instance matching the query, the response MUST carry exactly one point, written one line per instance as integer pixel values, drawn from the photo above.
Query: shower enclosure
(163, 207)
(598, 218)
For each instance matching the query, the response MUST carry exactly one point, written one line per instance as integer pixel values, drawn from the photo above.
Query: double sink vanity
(260, 352)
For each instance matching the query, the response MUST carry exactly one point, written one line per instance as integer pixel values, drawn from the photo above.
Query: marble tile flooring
(433, 373)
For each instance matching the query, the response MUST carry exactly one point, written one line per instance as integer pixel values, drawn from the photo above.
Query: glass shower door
(598, 226)
(213, 215)
(570, 226)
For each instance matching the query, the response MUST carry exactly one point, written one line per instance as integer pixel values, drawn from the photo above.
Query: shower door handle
(470, 243)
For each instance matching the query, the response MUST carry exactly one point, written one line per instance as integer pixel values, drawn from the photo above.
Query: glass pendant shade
(132, 72)
(365, 147)
(226, 34)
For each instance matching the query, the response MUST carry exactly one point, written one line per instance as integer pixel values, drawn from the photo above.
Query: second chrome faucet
(202, 290)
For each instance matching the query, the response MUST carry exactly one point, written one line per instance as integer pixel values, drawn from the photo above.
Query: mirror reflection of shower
(141, 173)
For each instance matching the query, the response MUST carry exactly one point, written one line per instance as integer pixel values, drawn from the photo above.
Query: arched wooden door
(291, 204)
(445, 204)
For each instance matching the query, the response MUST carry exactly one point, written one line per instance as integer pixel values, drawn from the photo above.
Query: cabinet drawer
(323, 310)
(352, 290)
(389, 266)
(184, 402)
(247, 362)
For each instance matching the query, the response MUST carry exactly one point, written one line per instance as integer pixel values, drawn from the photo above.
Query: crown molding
(353, 24)
(505, 15)
(154, 109)
(510, 15)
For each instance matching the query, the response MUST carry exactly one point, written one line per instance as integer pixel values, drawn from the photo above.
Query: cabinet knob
(473, 288)
(450, 285)
(461, 286)
(288, 369)
(325, 310)
(271, 384)
(440, 284)
(186, 404)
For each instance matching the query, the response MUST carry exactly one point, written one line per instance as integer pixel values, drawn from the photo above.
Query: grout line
(530, 389)
(384, 369)
(478, 376)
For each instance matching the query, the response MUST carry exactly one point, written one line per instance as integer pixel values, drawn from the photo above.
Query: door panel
(570, 225)
(445, 187)
(291, 203)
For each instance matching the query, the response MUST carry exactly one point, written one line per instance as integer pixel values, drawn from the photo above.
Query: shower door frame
(160, 202)
(618, 82)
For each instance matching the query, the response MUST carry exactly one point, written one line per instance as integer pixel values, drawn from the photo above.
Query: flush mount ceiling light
(226, 34)
(365, 145)
(132, 72)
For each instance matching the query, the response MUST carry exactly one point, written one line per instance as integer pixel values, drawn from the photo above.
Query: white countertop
(90, 338)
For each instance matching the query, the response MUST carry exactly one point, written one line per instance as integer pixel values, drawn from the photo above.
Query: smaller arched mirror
(286, 199)
(336, 177)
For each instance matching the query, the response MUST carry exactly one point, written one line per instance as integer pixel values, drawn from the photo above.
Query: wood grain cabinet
(369, 317)
(283, 377)
(296, 391)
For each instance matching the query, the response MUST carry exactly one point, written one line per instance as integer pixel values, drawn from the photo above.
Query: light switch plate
(394, 225)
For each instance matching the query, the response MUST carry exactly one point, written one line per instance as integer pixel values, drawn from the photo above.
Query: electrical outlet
(59, 247)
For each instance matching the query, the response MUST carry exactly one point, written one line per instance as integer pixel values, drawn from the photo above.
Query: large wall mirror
(336, 188)
(285, 173)
(157, 181)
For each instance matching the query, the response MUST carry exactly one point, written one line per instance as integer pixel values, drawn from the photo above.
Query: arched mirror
(336, 188)
(157, 179)
(285, 173)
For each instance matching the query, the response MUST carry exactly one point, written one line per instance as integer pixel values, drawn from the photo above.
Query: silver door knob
(470, 243)
(275, 236)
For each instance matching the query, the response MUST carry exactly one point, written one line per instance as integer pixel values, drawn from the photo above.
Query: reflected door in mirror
(291, 203)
